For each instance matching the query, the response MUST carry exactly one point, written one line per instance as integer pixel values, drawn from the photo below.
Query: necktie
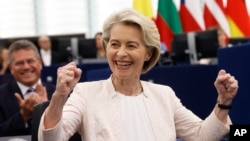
(29, 91)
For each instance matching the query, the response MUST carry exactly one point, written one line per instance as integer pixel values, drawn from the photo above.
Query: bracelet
(226, 107)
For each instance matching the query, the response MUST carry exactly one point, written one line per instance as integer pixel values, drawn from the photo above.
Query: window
(30, 18)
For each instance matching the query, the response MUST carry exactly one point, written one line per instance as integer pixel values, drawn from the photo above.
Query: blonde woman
(123, 107)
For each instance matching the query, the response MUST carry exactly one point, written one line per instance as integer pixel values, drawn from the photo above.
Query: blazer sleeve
(70, 121)
(190, 127)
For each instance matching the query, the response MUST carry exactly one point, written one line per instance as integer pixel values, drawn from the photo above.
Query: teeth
(27, 73)
(123, 63)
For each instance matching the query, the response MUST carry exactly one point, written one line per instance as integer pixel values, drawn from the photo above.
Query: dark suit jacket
(56, 58)
(11, 122)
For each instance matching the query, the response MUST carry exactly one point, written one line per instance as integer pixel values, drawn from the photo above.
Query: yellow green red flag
(144, 7)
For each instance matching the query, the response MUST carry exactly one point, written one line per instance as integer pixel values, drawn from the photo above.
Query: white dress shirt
(24, 88)
(46, 57)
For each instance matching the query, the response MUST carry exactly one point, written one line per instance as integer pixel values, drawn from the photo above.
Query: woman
(100, 53)
(123, 107)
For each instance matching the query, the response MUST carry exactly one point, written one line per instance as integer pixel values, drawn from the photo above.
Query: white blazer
(93, 110)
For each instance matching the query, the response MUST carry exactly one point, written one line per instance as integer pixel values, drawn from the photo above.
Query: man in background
(20, 95)
(49, 57)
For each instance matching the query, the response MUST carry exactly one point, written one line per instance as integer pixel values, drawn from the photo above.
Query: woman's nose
(122, 52)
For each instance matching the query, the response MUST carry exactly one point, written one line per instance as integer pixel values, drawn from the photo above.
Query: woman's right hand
(67, 77)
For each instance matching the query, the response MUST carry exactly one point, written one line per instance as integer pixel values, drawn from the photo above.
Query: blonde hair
(150, 34)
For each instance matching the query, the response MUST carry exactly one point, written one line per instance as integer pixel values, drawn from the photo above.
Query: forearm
(227, 87)
(221, 114)
(53, 113)
(213, 129)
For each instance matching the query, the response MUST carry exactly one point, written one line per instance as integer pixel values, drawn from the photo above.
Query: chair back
(36, 117)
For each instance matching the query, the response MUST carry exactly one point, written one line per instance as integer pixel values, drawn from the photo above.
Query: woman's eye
(114, 44)
(131, 46)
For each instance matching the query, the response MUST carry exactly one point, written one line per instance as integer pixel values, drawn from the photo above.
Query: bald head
(44, 42)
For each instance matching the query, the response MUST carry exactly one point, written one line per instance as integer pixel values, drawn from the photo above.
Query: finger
(70, 66)
(63, 74)
(78, 73)
(222, 78)
(19, 99)
(43, 96)
(74, 75)
(222, 72)
(39, 87)
(31, 100)
(70, 73)
(229, 80)
(66, 72)
(233, 85)
(220, 75)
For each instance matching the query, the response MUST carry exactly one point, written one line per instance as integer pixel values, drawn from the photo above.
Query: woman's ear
(148, 54)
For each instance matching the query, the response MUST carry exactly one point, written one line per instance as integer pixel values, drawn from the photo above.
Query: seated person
(99, 48)
(4, 60)
(16, 102)
(49, 57)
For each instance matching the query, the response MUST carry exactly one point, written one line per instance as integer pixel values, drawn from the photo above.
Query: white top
(94, 110)
(46, 57)
(135, 121)
(24, 88)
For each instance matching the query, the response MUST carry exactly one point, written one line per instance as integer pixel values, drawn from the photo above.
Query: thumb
(222, 72)
(42, 93)
(19, 98)
(78, 73)
(40, 90)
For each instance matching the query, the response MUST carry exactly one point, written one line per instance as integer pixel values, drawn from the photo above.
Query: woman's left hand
(227, 87)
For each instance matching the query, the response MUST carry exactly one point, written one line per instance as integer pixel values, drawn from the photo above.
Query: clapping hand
(27, 105)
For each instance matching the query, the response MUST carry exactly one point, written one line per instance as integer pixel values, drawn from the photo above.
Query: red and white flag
(214, 15)
(191, 15)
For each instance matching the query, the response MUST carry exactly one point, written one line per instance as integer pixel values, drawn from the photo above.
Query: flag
(144, 7)
(191, 15)
(168, 22)
(215, 16)
(238, 18)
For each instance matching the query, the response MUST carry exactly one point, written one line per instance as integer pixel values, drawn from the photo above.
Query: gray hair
(22, 44)
(150, 33)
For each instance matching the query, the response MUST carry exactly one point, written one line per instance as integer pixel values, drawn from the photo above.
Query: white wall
(22, 18)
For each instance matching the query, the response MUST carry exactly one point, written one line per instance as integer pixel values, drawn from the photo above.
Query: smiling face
(25, 66)
(126, 51)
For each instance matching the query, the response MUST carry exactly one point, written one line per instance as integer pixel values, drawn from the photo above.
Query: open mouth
(123, 64)
(27, 73)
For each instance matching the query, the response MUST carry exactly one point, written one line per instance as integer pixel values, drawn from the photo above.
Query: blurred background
(24, 18)
(72, 25)
(84, 18)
